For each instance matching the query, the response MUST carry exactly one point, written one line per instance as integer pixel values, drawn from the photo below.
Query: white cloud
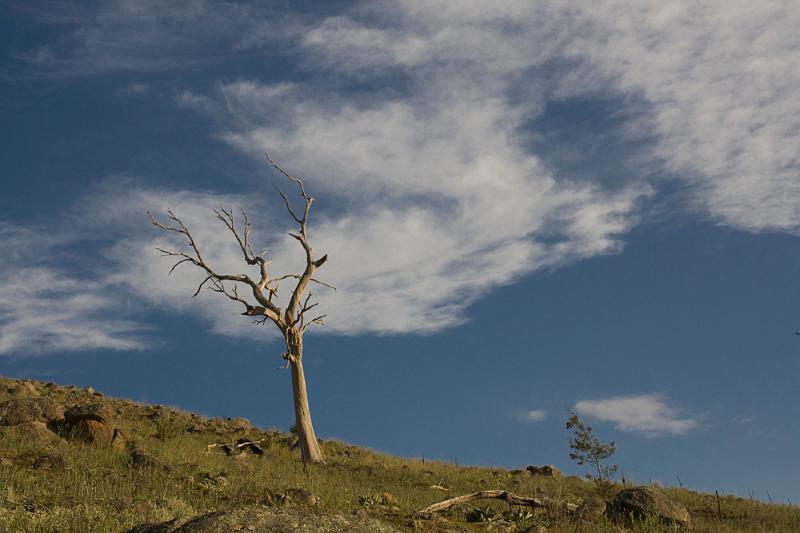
(721, 80)
(534, 415)
(147, 34)
(133, 90)
(648, 414)
(718, 79)
(429, 194)
(45, 309)
(441, 206)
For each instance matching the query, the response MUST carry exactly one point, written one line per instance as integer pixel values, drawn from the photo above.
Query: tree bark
(309, 446)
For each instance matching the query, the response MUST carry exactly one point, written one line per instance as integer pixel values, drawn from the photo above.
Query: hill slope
(73, 460)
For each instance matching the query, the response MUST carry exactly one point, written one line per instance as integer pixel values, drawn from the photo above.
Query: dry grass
(76, 487)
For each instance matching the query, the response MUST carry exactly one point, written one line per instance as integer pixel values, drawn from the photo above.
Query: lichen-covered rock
(270, 520)
(22, 410)
(648, 501)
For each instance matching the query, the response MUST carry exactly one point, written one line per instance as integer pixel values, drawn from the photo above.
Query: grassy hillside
(165, 470)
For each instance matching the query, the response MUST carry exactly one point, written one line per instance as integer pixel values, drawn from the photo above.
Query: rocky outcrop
(648, 501)
(269, 520)
(22, 410)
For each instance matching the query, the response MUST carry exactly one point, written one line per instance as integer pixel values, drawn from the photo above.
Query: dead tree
(293, 321)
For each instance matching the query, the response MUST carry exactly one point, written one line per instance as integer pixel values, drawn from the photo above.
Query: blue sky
(528, 208)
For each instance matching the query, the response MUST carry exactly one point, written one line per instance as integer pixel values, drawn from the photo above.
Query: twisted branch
(264, 289)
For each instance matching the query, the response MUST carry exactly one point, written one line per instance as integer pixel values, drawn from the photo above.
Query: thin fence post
(719, 508)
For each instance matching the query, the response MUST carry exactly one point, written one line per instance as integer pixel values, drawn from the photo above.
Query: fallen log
(506, 496)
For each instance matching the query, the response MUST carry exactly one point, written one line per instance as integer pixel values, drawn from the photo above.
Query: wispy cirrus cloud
(417, 123)
(716, 81)
(144, 35)
(648, 414)
(133, 90)
(45, 308)
(534, 415)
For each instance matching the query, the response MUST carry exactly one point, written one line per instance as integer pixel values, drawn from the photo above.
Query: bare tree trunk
(309, 446)
(292, 322)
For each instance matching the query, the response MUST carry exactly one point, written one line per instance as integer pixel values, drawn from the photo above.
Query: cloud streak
(45, 309)
(534, 415)
(414, 128)
(648, 414)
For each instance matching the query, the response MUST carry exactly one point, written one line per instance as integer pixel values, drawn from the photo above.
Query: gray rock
(647, 501)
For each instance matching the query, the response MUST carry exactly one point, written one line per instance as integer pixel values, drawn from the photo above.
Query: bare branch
(226, 216)
(315, 321)
(199, 287)
(297, 276)
(289, 206)
(303, 279)
(288, 176)
(178, 263)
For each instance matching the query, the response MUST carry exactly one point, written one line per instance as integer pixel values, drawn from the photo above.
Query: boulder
(90, 430)
(22, 389)
(22, 410)
(591, 509)
(648, 501)
(545, 471)
(93, 411)
(263, 519)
